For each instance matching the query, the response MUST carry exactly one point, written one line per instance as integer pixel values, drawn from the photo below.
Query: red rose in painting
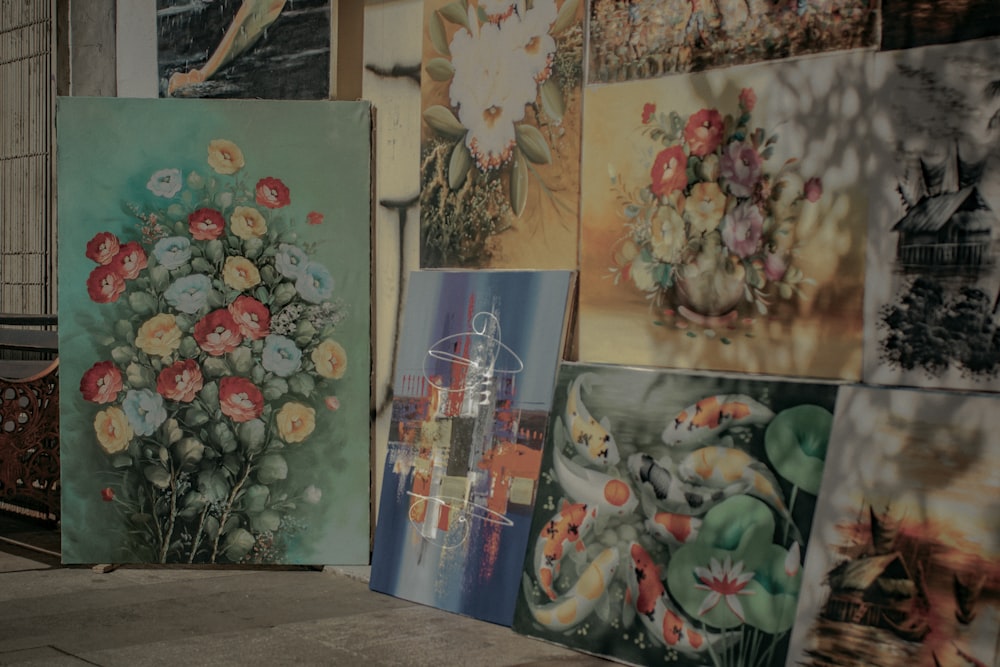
(206, 224)
(314, 218)
(130, 260)
(703, 132)
(669, 172)
(748, 100)
(107, 494)
(272, 193)
(814, 189)
(101, 382)
(648, 109)
(103, 247)
(217, 333)
(251, 316)
(104, 285)
(180, 381)
(240, 399)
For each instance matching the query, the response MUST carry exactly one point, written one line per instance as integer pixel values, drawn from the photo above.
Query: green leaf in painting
(123, 354)
(565, 18)
(238, 544)
(214, 250)
(455, 13)
(552, 99)
(275, 388)
(139, 376)
(195, 417)
(272, 468)
(435, 30)
(157, 476)
(211, 527)
(121, 461)
(215, 367)
(442, 120)
(201, 265)
(459, 165)
(210, 394)
(256, 498)
(440, 69)
(124, 330)
(241, 359)
(142, 303)
(252, 248)
(268, 520)
(159, 278)
(519, 183)
(532, 144)
(252, 435)
(302, 384)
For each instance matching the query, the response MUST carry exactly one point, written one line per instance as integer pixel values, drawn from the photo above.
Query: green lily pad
(796, 442)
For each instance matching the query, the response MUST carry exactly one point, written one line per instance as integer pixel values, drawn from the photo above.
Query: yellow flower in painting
(224, 156)
(330, 358)
(247, 223)
(159, 335)
(113, 430)
(666, 233)
(295, 422)
(705, 207)
(240, 273)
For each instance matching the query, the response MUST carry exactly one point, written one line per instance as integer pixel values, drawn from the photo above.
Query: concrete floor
(175, 615)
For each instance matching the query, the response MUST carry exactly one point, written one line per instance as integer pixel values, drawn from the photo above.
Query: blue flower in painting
(172, 252)
(315, 285)
(189, 294)
(280, 356)
(290, 260)
(145, 410)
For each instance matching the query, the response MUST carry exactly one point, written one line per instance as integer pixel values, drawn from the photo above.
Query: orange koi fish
(563, 531)
(646, 595)
(710, 416)
(728, 468)
(672, 528)
(591, 438)
(581, 600)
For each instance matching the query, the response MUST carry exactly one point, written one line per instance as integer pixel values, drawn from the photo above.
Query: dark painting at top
(909, 23)
(269, 49)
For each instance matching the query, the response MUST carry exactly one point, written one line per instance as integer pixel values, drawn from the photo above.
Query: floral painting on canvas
(214, 332)
(719, 232)
(500, 144)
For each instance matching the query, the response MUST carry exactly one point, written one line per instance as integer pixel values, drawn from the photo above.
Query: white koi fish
(646, 596)
(561, 533)
(591, 438)
(662, 490)
(706, 419)
(722, 467)
(610, 495)
(581, 600)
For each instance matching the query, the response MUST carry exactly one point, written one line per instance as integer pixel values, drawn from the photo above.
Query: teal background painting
(225, 475)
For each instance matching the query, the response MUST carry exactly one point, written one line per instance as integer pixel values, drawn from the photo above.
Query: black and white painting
(269, 49)
(933, 280)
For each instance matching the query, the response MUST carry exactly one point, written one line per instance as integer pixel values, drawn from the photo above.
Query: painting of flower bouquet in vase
(214, 331)
(500, 146)
(672, 515)
(725, 237)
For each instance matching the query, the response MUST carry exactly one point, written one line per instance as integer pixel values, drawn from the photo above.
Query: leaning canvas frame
(473, 383)
(215, 342)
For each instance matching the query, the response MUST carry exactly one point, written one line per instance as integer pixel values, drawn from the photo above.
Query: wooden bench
(29, 418)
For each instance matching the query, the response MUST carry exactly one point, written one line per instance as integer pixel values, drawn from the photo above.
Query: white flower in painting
(492, 84)
(165, 183)
(530, 34)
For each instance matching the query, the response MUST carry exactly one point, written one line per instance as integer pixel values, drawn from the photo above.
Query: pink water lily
(723, 581)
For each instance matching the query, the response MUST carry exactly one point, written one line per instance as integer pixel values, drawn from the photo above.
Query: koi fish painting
(904, 563)
(473, 387)
(694, 553)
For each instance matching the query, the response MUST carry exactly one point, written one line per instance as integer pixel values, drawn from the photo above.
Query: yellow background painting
(816, 112)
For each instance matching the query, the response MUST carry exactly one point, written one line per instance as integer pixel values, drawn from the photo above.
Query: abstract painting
(910, 23)
(270, 49)
(641, 39)
(904, 563)
(724, 220)
(672, 515)
(214, 340)
(932, 290)
(500, 143)
(474, 377)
